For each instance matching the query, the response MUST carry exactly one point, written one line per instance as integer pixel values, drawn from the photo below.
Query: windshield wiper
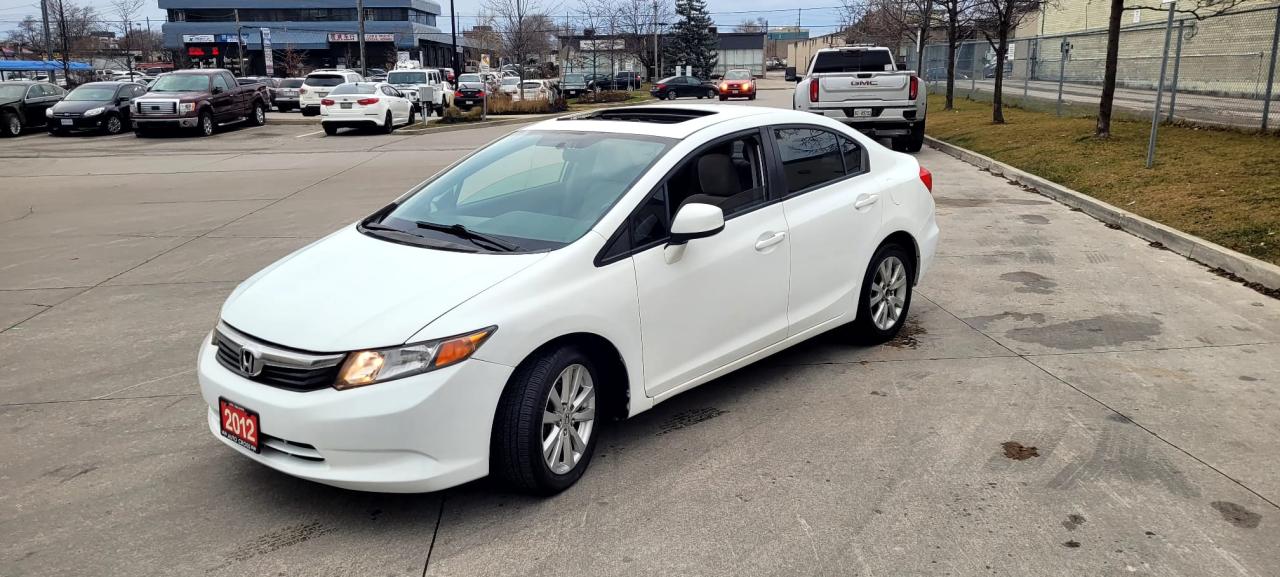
(471, 235)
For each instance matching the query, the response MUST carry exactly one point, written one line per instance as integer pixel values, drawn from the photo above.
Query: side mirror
(902, 66)
(696, 220)
(216, 90)
(790, 74)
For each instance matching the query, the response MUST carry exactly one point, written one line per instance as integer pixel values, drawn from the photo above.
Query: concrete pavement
(1147, 386)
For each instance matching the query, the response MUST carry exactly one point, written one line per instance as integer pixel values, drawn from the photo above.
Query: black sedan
(97, 106)
(469, 94)
(677, 86)
(23, 104)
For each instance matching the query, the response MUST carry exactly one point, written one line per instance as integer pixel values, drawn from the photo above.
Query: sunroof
(643, 114)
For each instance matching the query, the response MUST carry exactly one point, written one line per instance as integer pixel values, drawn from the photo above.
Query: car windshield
(510, 81)
(531, 85)
(469, 78)
(737, 75)
(325, 79)
(852, 61)
(407, 78)
(575, 78)
(534, 189)
(291, 83)
(354, 89)
(92, 93)
(181, 83)
(12, 91)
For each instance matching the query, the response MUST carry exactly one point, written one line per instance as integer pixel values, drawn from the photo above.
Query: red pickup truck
(199, 99)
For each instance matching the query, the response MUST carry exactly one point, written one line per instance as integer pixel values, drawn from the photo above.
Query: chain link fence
(1221, 70)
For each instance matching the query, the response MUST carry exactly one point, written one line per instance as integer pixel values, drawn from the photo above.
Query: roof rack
(652, 114)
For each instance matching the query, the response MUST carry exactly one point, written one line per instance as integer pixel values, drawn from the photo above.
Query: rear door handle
(770, 241)
(867, 200)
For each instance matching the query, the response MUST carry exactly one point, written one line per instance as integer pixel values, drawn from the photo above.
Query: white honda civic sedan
(364, 105)
(579, 269)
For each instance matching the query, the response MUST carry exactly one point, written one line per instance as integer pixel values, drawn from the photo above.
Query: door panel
(722, 300)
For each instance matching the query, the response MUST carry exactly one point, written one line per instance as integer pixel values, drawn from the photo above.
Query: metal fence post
(1063, 50)
(1164, 63)
(1271, 73)
(1026, 69)
(977, 69)
(1177, 60)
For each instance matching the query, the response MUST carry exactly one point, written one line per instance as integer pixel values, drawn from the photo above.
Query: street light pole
(44, 14)
(453, 33)
(657, 73)
(364, 68)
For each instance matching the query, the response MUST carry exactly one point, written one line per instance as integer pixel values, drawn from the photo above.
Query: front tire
(12, 125)
(205, 125)
(885, 297)
(113, 125)
(544, 432)
(723, 98)
(412, 117)
(259, 117)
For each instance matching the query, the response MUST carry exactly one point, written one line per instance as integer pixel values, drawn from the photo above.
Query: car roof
(116, 83)
(199, 71)
(698, 117)
(24, 82)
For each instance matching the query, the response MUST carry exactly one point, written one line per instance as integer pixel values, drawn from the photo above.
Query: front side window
(536, 190)
(220, 82)
(810, 157)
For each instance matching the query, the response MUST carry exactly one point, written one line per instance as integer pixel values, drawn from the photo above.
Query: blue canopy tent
(39, 65)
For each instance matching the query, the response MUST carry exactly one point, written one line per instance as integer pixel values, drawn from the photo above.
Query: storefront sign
(197, 38)
(354, 37)
(266, 51)
(617, 44)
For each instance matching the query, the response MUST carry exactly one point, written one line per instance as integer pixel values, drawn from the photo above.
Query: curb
(1216, 256)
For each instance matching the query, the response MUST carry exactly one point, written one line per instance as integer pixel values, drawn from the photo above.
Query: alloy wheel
(259, 115)
(568, 418)
(15, 126)
(114, 125)
(888, 293)
(206, 125)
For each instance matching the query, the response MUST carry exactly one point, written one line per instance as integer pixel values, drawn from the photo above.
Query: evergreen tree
(691, 42)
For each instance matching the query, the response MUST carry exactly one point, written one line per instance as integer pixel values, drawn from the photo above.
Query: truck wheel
(259, 115)
(440, 111)
(205, 126)
(914, 142)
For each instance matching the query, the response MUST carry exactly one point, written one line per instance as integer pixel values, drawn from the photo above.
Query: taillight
(813, 90)
(367, 101)
(480, 94)
(927, 178)
(660, 87)
(458, 94)
(302, 90)
(326, 102)
(915, 87)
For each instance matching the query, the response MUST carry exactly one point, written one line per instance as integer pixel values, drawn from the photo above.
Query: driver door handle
(770, 241)
(866, 200)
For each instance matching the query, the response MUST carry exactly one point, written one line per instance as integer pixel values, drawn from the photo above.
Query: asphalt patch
(1072, 544)
(1034, 219)
(1237, 515)
(1101, 331)
(1031, 282)
(687, 418)
(1017, 451)
(1073, 522)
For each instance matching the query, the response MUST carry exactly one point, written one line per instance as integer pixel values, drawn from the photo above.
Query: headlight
(375, 366)
(93, 111)
(186, 107)
(48, 112)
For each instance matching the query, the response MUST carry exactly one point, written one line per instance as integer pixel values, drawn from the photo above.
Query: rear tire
(388, 124)
(885, 297)
(916, 141)
(330, 129)
(412, 117)
(671, 95)
(532, 414)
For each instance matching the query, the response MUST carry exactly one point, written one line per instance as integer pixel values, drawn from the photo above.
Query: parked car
(269, 82)
(674, 87)
(201, 99)
(318, 84)
(535, 90)
(449, 75)
(620, 81)
(470, 92)
(365, 105)
(594, 81)
(404, 353)
(573, 85)
(23, 104)
(862, 87)
(737, 83)
(424, 87)
(510, 86)
(377, 74)
(287, 94)
(98, 106)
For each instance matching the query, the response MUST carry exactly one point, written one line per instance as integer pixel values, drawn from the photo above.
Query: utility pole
(66, 47)
(657, 73)
(44, 13)
(364, 71)
(453, 33)
(146, 49)
(239, 42)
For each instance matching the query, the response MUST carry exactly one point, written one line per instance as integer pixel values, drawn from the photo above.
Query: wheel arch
(905, 240)
(616, 395)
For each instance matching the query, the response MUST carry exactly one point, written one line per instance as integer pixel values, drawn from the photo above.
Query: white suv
(318, 84)
(426, 88)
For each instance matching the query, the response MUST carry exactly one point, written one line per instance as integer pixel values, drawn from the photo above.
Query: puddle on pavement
(1017, 451)
(1101, 331)
(1237, 515)
(906, 338)
(1031, 282)
(1073, 522)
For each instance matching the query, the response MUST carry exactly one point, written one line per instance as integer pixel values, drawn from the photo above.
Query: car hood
(350, 291)
(10, 100)
(174, 95)
(78, 105)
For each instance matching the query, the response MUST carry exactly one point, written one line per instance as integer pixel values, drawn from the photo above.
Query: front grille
(148, 107)
(283, 369)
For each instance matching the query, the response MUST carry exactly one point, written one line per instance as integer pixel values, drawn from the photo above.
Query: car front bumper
(166, 122)
(77, 123)
(422, 433)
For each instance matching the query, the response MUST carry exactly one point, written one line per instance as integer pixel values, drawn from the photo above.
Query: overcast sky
(818, 15)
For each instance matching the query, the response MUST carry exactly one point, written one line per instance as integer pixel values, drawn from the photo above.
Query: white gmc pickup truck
(861, 86)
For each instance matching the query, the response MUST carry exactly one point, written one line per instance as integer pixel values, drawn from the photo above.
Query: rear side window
(291, 83)
(325, 79)
(810, 157)
(852, 156)
(852, 61)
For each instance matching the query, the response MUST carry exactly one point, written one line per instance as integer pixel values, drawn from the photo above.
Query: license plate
(239, 424)
(734, 91)
(469, 101)
(346, 105)
(67, 122)
(861, 112)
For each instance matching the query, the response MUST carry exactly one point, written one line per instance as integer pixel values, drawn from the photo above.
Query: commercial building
(605, 54)
(305, 34)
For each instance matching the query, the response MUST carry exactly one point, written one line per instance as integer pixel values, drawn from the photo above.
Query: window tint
(325, 79)
(220, 82)
(852, 155)
(291, 83)
(810, 157)
(852, 61)
(389, 91)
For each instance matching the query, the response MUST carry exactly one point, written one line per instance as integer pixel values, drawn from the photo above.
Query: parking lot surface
(1064, 400)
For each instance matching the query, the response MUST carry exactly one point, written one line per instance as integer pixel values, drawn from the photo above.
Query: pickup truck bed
(862, 87)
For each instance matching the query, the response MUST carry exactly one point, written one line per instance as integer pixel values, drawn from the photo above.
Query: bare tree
(72, 24)
(956, 16)
(27, 34)
(293, 60)
(522, 28)
(126, 11)
(1199, 9)
(637, 22)
(755, 25)
(1004, 16)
